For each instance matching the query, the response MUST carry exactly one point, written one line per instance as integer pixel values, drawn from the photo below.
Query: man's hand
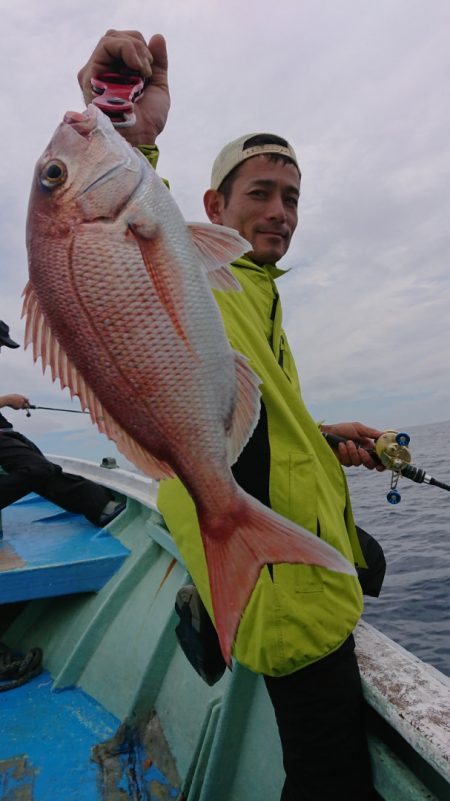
(117, 49)
(14, 401)
(348, 453)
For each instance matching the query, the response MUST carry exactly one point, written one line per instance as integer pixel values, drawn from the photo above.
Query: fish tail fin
(237, 545)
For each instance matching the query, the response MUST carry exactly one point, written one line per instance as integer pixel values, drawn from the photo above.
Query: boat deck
(44, 730)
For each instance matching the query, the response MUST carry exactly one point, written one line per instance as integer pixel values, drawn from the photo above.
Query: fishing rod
(391, 450)
(52, 409)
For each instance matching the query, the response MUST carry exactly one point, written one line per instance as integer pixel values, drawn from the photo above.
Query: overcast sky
(361, 89)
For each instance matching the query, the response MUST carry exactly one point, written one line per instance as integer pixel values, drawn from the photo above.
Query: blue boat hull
(117, 646)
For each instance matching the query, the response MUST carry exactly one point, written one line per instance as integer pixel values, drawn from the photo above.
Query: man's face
(263, 206)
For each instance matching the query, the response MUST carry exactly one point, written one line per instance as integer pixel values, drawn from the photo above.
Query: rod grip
(334, 440)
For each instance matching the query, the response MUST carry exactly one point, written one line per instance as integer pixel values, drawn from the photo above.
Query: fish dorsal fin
(47, 347)
(216, 247)
(247, 407)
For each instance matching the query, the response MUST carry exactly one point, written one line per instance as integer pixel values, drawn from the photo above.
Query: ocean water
(414, 605)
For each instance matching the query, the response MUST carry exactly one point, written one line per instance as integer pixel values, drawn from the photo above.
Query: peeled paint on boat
(119, 306)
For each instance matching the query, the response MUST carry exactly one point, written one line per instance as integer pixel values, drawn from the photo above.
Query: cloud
(360, 89)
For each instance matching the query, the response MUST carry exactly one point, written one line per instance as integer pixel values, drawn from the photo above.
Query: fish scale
(119, 304)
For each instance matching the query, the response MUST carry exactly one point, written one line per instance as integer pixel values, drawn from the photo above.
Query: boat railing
(133, 485)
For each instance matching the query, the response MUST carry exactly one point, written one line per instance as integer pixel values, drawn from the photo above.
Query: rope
(17, 671)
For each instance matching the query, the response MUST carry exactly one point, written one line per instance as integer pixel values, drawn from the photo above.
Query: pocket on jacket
(301, 508)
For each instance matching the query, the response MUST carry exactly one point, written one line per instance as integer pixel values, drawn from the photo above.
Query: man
(297, 627)
(27, 469)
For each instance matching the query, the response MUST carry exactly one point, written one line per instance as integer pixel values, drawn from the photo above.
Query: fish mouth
(83, 122)
(71, 117)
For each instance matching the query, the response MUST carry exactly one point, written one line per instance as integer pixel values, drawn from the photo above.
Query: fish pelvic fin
(52, 354)
(246, 408)
(216, 247)
(239, 543)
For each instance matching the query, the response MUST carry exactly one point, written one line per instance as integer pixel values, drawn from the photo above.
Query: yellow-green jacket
(297, 613)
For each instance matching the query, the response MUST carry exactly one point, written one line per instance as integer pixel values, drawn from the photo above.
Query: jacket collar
(272, 269)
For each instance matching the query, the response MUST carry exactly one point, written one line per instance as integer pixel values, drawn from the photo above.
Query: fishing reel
(393, 452)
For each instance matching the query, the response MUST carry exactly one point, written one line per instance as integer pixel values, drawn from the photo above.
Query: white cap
(235, 153)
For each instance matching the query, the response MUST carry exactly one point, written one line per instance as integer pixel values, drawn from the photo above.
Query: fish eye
(53, 174)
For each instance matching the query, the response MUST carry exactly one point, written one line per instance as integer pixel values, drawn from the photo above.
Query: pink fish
(119, 305)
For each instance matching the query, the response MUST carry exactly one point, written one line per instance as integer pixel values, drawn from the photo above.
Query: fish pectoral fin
(246, 409)
(162, 288)
(217, 246)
